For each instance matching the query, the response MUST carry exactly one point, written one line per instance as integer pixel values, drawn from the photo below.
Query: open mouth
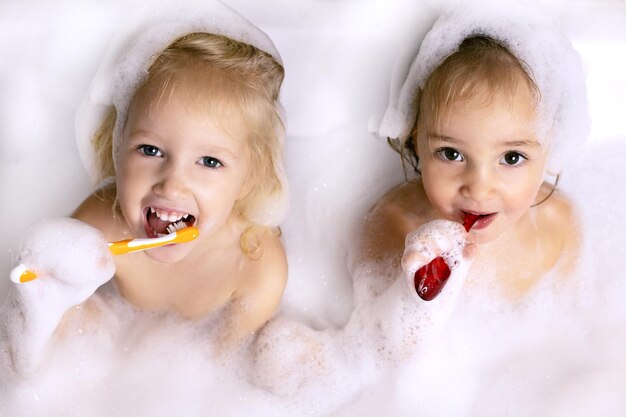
(473, 220)
(160, 222)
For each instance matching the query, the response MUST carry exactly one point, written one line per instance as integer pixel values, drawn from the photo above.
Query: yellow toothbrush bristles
(20, 274)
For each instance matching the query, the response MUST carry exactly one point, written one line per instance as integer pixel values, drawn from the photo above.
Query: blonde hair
(481, 67)
(248, 81)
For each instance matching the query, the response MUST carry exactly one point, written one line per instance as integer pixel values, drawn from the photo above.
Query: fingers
(439, 238)
(469, 251)
(433, 239)
(68, 250)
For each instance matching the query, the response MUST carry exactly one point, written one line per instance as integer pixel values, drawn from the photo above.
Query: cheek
(124, 181)
(440, 192)
(122, 172)
(438, 179)
(534, 182)
(133, 170)
(130, 182)
(125, 195)
(521, 200)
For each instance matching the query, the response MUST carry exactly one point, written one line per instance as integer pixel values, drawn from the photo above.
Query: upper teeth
(172, 216)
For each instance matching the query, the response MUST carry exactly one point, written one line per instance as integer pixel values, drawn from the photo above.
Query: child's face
(486, 159)
(175, 161)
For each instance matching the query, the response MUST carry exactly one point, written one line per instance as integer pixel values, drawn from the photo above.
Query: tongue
(158, 225)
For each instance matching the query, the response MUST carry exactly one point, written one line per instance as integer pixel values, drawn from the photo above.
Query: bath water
(555, 353)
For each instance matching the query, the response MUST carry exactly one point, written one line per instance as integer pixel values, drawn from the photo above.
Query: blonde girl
(183, 128)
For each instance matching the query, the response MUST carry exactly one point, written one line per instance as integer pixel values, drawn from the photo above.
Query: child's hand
(70, 253)
(71, 260)
(434, 239)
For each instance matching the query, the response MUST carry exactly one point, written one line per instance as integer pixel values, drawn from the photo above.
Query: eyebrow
(219, 151)
(141, 134)
(532, 143)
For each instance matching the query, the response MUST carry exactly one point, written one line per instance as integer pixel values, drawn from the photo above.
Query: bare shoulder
(98, 210)
(267, 265)
(84, 316)
(560, 221)
(260, 290)
(558, 215)
(401, 210)
(265, 278)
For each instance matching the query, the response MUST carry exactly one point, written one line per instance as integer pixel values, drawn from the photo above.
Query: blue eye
(210, 162)
(149, 150)
(513, 158)
(449, 154)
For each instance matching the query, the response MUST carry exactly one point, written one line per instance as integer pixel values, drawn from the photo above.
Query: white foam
(71, 261)
(533, 37)
(561, 354)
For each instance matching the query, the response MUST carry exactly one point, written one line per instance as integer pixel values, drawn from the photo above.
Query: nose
(171, 183)
(478, 183)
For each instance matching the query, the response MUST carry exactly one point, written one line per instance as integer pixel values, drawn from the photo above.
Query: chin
(489, 235)
(169, 254)
(482, 239)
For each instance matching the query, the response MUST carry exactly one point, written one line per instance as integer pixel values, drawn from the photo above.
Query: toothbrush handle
(20, 274)
(430, 279)
(123, 247)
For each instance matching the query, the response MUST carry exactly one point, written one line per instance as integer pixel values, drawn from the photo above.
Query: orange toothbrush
(20, 274)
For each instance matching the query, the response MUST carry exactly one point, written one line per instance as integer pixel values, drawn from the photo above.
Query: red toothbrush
(431, 278)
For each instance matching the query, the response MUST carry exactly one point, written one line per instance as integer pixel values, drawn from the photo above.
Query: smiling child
(484, 114)
(184, 129)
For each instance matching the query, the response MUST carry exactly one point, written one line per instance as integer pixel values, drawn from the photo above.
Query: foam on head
(531, 37)
(125, 69)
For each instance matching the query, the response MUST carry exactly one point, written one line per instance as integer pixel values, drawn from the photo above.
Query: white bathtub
(338, 57)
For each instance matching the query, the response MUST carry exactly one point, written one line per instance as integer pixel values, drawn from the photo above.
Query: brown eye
(449, 154)
(512, 158)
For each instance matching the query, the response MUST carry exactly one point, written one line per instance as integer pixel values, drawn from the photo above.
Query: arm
(396, 321)
(399, 237)
(98, 210)
(258, 298)
(71, 260)
(385, 227)
(375, 258)
(567, 220)
(386, 325)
